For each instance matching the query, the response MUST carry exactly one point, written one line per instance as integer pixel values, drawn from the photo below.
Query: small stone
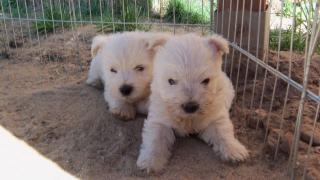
(83, 93)
(307, 132)
(285, 141)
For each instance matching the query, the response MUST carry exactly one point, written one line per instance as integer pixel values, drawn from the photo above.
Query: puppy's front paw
(125, 112)
(234, 151)
(151, 164)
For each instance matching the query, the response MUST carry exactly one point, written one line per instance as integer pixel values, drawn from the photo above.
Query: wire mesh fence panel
(274, 62)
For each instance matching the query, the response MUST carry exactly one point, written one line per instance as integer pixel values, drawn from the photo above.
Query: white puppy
(190, 94)
(123, 62)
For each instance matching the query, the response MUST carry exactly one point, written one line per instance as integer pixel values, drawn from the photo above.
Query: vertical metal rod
(228, 35)
(12, 26)
(215, 25)
(36, 22)
(276, 78)
(76, 35)
(239, 61)
(234, 38)
(101, 18)
(189, 5)
(211, 16)
(51, 11)
(7, 46)
(247, 64)
(288, 85)
(90, 13)
(44, 19)
(222, 29)
(314, 128)
(80, 13)
(112, 16)
(257, 55)
(28, 23)
(20, 22)
(202, 17)
(174, 16)
(161, 18)
(309, 53)
(61, 15)
(135, 14)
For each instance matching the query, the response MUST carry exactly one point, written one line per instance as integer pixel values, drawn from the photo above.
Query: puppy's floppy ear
(218, 44)
(154, 43)
(97, 44)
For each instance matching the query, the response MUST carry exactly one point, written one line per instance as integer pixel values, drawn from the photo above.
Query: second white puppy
(190, 94)
(123, 62)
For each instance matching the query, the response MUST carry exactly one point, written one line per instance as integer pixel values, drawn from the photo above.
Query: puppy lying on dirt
(190, 94)
(123, 62)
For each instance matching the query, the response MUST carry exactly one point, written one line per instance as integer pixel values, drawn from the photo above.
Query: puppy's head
(185, 73)
(128, 62)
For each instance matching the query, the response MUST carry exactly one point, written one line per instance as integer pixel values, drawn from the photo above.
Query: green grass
(298, 40)
(126, 20)
(47, 25)
(187, 13)
(124, 11)
(304, 13)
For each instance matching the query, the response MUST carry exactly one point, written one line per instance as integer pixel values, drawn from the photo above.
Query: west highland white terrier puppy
(123, 62)
(190, 94)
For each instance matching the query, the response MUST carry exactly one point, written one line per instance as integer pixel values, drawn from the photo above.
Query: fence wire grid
(259, 33)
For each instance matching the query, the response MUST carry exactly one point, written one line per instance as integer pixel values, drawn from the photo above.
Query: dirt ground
(45, 102)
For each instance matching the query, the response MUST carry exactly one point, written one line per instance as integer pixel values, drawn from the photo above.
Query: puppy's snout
(126, 89)
(190, 107)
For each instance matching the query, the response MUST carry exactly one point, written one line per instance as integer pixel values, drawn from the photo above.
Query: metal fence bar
(123, 16)
(234, 38)
(174, 17)
(257, 54)
(288, 85)
(276, 78)
(239, 59)
(101, 18)
(51, 11)
(247, 62)
(35, 17)
(280, 75)
(44, 19)
(12, 26)
(90, 13)
(309, 52)
(7, 45)
(202, 16)
(60, 8)
(20, 23)
(28, 23)
(314, 127)
(112, 16)
(110, 22)
(228, 35)
(135, 14)
(212, 16)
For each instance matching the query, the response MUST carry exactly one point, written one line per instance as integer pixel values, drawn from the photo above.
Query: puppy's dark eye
(172, 82)
(205, 81)
(139, 68)
(113, 70)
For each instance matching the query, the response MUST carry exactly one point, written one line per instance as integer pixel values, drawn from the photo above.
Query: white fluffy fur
(123, 52)
(189, 59)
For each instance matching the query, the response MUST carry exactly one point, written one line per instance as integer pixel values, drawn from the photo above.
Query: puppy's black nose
(190, 107)
(126, 90)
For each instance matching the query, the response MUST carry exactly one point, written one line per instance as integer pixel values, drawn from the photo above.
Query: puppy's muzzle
(190, 107)
(126, 89)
